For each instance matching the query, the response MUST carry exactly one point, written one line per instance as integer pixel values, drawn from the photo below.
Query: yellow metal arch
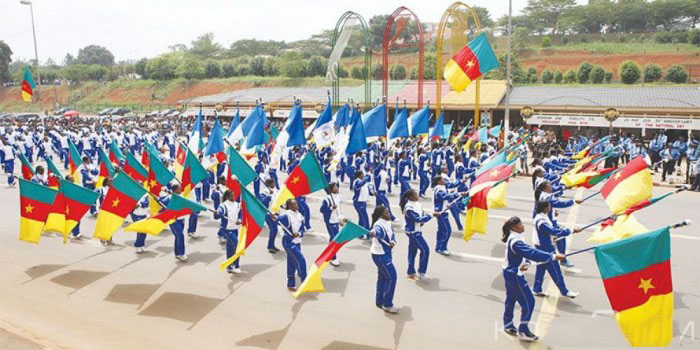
(453, 11)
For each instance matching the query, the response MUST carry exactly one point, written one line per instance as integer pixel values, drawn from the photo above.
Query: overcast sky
(132, 29)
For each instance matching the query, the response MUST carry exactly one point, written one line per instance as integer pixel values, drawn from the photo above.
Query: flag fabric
(438, 130)
(586, 179)
(179, 163)
(341, 117)
(447, 130)
(495, 131)
(461, 134)
(255, 137)
(195, 141)
(628, 186)
(71, 204)
(356, 140)
(313, 281)
(215, 143)
(477, 216)
(134, 168)
(35, 201)
(27, 170)
(470, 63)
(239, 174)
(253, 220)
(244, 127)
(476, 219)
(481, 135)
(419, 122)
(598, 177)
(283, 138)
(121, 199)
(399, 128)
(177, 207)
(53, 174)
(295, 129)
(74, 160)
(324, 132)
(192, 174)
(158, 176)
(115, 154)
(305, 178)
(496, 160)
(636, 274)
(374, 121)
(28, 85)
(106, 168)
(234, 123)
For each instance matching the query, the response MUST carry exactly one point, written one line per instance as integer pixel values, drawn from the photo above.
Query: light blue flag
(215, 144)
(494, 162)
(439, 128)
(295, 129)
(375, 121)
(357, 139)
(420, 121)
(495, 131)
(342, 115)
(448, 131)
(399, 128)
(256, 135)
(234, 123)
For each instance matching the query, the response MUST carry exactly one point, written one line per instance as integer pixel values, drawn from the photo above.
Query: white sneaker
(571, 294)
(222, 240)
(182, 258)
(193, 235)
(423, 276)
(391, 310)
(335, 262)
(78, 236)
(236, 270)
(140, 250)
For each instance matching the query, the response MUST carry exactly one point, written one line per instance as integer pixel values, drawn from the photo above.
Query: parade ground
(82, 295)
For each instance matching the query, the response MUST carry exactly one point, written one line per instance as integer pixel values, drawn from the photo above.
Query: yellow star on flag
(67, 210)
(28, 209)
(494, 173)
(470, 64)
(618, 175)
(115, 203)
(645, 284)
(295, 180)
(153, 183)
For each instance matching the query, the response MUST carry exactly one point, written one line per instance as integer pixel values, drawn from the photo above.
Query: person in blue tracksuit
(305, 211)
(217, 193)
(267, 192)
(7, 156)
(207, 185)
(382, 180)
(383, 241)
(229, 213)
(40, 176)
(516, 261)
(423, 172)
(291, 221)
(441, 201)
(140, 213)
(177, 228)
(545, 232)
(544, 192)
(330, 208)
(361, 188)
(75, 233)
(415, 217)
(404, 173)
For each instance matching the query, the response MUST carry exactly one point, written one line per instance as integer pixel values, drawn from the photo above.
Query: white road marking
(478, 257)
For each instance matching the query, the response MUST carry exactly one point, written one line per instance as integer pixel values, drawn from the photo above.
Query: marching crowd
(442, 170)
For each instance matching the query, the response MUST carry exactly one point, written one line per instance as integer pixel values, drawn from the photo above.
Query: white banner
(654, 122)
(340, 44)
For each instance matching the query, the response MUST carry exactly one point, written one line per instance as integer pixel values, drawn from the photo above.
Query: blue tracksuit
(178, 230)
(229, 211)
(331, 220)
(423, 174)
(415, 218)
(546, 231)
(359, 203)
(381, 256)
(265, 198)
(441, 198)
(296, 264)
(140, 236)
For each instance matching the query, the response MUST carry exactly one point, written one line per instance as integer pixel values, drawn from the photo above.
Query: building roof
(490, 95)
(656, 97)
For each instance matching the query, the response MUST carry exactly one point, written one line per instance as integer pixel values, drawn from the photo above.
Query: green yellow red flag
(628, 186)
(35, 201)
(177, 207)
(470, 63)
(121, 199)
(253, 220)
(71, 204)
(305, 178)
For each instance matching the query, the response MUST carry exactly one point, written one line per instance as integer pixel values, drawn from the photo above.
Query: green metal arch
(368, 57)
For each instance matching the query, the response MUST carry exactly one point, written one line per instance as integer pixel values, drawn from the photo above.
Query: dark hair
(540, 188)
(541, 205)
(358, 174)
(377, 213)
(404, 198)
(534, 175)
(435, 180)
(330, 187)
(286, 203)
(270, 182)
(227, 193)
(507, 226)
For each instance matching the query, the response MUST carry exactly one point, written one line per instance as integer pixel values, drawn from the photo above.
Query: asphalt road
(84, 296)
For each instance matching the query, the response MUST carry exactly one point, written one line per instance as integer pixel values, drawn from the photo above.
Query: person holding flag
(7, 158)
(291, 221)
(267, 192)
(177, 227)
(383, 241)
(230, 214)
(442, 200)
(415, 217)
(544, 192)
(330, 208)
(140, 213)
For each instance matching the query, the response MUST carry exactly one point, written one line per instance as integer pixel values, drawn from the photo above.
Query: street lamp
(36, 54)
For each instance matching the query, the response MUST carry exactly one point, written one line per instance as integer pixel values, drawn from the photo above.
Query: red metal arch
(385, 53)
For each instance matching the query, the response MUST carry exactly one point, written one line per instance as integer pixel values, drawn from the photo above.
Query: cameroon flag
(628, 186)
(121, 198)
(480, 197)
(470, 63)
(313, 282)
(27, 170)
(115, 154)
(133, 168)
(158, 176)
(71, 204)
(305, 178)
(239, 172)
(35, 201)
(253, 213)
(636, 274)
(54, 175)
(192, 174)
(586, 179)
(594, 179)
(28, 85)
(180, 157)
(106, 168)
(177, 207)
(74, 161)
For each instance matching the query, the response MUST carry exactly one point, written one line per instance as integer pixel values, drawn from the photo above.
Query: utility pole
(36, 53)
(506, 116)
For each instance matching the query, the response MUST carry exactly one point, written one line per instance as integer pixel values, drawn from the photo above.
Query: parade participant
(177, 227)
(545, 232)
(441, 201)
(381, 184)
(140, 213)
(360, 197)
(516, 261)
(616, 152)
(404, 173)
(7, 157)
(669, 156)
(267, 192)
(656, 145)
(423, 160)
(292, 221)
(693, 154)
(229, 213)
(544, 192)
(383, 241)
(75, 233)
(330, 208)
(415, 217)
(40, 176)
(87, 173)
(217, 194)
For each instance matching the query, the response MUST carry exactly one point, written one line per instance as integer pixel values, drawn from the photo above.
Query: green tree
(76, 72)
(97, 72)
(413, 73)
(140, 68)
(212, 70)
(68, 60)
(257, 66)
(292, 65)
(663, 37)
(629, 72)
(570, 76)
(608, 76)
(652, 73)
(584, 72)
(546, 42)
(358, 71)
(316, 66)
(95, 54)
(558, 76)
(547, 76)
(204, 46)
(190, 67)
(397, 72)
(430, 66)
(377, 71)
(162, 67)
(597, 75)
(253, 47)
(677, 74)
(694, 36)
(342, 72)
(271, 67)
(227, 70)
(550, 12)
(376, 30)
(5, 59)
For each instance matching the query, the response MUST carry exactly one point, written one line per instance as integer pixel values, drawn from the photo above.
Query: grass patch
(620, 48)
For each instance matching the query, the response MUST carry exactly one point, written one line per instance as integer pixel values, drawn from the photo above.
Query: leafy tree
(342, 72)
(430, 66)
(95, 54)
(413, 73)
(608, 76)
(253, 47)
(376, 30)
(5, 59)
(694, 36)
(584, 72)
(212, 70)
(597, 75)
(190, 67)
(271, 67)
(547, 76)
(257, 66)
(397, 71)
(652, 73)
(204, 46)
(292, 65)
(162, 67)
(663, 37)
(677, 74)
(140, 68)
(227, 70)
(558, 76)
(546, 42)
(358, 71)
(570, 76)
(316, 66)
(242, 69)
(68, 60)
(97, 72)
(550, 12)
(629, 72)
(377, 71)
(76, 72)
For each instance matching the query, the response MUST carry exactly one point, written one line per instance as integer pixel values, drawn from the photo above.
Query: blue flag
(215, 144)
(495, 131)
(399, 128)
(234, 123)
(250, 120)
(420, 121)
(439, 128)
(490, 164)
(448, 131)
(341, 116)
(375, 121)
(295, 129)
(256, 136)
(357, 139)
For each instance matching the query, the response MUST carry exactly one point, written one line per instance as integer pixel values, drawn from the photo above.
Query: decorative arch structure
(339, 27)
(459, 22)
(387, 43)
